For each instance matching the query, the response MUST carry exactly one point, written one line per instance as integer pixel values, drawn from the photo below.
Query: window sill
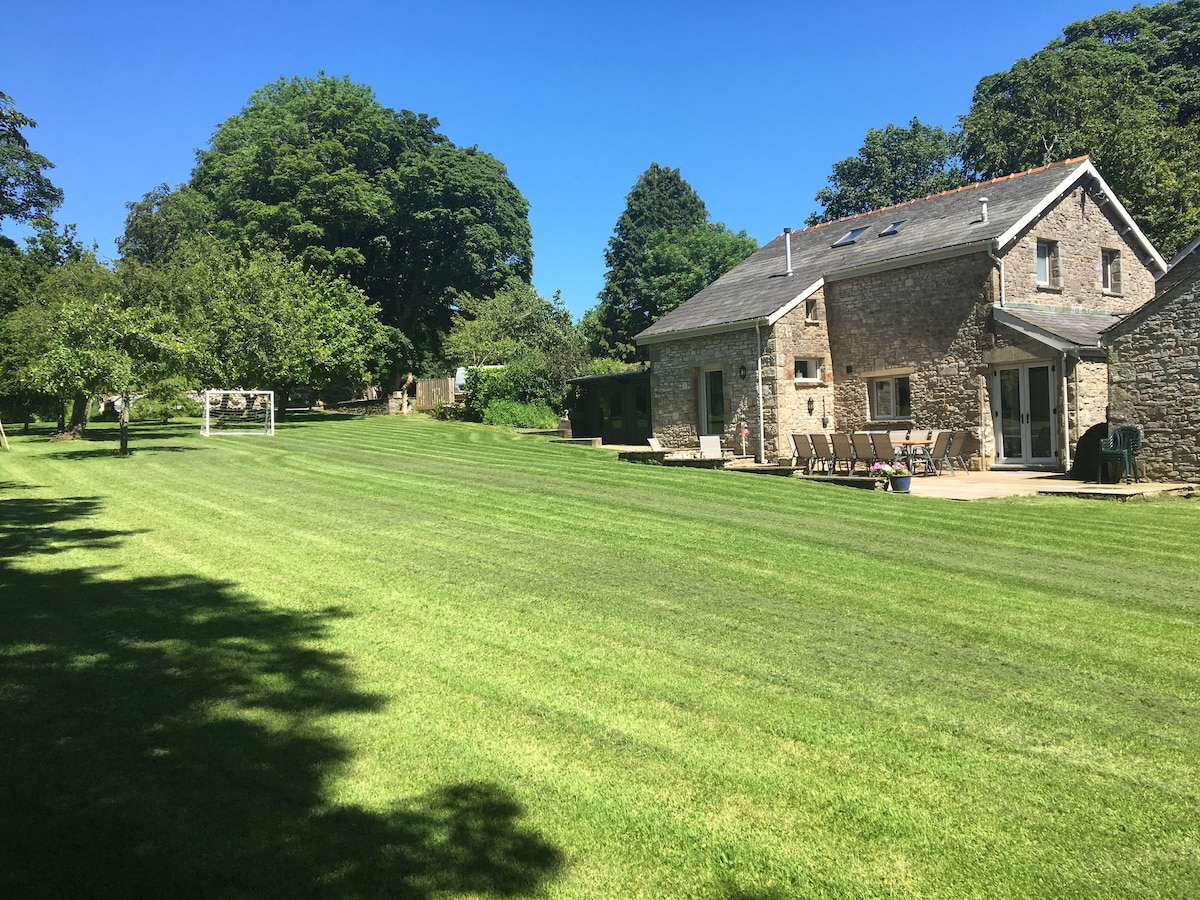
(1111, 293)
(806, 382)
(1050, 288)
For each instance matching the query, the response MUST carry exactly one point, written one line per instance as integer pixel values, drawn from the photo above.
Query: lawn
(398, 657)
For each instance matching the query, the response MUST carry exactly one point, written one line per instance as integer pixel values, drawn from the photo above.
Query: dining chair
(864, 450)
(884, 451)
(802, 452)
(843, 451)
(822, 454)
(939, 455)
(957, 445)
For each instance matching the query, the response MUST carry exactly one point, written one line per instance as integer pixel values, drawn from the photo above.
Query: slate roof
(1185, 263)
(758, 290)
(1060, 327)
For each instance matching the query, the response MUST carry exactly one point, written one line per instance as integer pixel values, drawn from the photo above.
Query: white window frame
(892, 413)
(812, 364)
(1047, 270)
(1110, 271)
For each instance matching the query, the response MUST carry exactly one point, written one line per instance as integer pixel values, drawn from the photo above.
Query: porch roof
(1060, 327)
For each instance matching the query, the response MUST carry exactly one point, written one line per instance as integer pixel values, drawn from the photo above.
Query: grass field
(398, 657)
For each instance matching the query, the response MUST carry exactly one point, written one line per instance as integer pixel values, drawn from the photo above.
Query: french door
(1024, 407)
(712, 402)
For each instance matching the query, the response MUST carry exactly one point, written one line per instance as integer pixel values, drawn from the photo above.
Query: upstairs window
(1110, 271)
(808, 370)
(891, 398)
(810, 309)
(894, 228)
(1047, 264)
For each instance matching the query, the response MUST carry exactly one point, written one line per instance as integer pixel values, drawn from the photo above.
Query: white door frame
(1017, 392)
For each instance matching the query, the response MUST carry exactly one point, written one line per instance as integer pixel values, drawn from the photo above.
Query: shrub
(447, 412)
(520, 415)
(526, 379)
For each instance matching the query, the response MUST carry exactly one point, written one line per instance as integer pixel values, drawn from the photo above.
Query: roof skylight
(892, 229)
(849, 237)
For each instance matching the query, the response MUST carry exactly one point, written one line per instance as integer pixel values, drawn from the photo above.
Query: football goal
(238, 412)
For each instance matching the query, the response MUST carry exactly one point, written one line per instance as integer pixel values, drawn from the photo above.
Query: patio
(1010, 483)
(974, 485)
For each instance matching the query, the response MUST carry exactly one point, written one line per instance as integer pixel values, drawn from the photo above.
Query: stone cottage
(1154, 372)
(978, 308)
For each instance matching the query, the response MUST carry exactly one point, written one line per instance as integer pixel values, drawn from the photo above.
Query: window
(810, 309)
(890, 398)
(808, 370)
(1110, 271)
(891, 229)
(1047, 264)
(849, 237)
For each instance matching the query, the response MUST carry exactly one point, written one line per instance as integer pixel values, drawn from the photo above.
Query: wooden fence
(432, 391)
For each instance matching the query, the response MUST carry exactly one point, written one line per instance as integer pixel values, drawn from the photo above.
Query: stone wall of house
(799, 336)
(1154, 382)
(1087, 393)
(1081, 229)
(929, 322)
(675, 372)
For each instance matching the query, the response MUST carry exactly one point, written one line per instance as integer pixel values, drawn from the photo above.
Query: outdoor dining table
(917, 448)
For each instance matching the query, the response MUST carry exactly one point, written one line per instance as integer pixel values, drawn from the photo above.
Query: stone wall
(798, 336)
(929, 322)
(676, 368)
(1081, 229)
(1154, 382)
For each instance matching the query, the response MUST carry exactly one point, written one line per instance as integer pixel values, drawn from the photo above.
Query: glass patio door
(1025, 432)
(712, 403)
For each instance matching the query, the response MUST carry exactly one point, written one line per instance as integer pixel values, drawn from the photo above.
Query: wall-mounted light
(742, 373)
(812, 404)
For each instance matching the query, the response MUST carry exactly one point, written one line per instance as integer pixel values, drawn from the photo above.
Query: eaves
(686, 333)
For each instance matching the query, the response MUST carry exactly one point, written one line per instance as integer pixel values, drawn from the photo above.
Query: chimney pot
(787, 248)
(983, 213)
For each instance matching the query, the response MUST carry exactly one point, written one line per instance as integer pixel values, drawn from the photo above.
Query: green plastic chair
(1121, 446)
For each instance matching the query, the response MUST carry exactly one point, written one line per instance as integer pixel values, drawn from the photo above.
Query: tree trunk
(280, 403)
(62, 416)
(79, 413)
(124, 449)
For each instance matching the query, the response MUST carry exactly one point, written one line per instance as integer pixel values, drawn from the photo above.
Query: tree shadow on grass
(164, 737)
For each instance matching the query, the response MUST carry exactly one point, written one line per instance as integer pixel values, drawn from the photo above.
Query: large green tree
(660, 201)
(273, 322)
(1123, 88)
(678, 264)
(25, 191)
(319, 169)
(893, 165)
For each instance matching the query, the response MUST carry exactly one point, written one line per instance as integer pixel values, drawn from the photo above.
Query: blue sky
(752, 101)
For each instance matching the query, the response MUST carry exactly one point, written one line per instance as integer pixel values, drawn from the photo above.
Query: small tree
(101, 345)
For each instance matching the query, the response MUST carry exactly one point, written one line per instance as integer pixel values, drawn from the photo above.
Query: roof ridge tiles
(966, 187)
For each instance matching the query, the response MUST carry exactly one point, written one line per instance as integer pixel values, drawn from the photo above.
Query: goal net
(238, 412)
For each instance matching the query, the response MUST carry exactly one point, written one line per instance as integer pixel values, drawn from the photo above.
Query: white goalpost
(238, 412)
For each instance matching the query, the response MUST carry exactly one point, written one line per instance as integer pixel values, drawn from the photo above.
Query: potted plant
(896, 473)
